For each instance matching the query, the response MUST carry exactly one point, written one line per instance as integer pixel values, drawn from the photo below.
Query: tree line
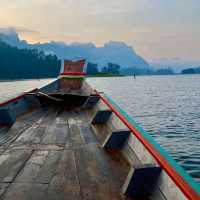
(191, 71)
(115, 69)
(18, 63)
(110, 69)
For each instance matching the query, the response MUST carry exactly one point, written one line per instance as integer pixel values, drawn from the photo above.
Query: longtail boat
(69, 141)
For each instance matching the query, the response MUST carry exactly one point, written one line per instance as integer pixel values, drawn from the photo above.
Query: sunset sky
(155, 28)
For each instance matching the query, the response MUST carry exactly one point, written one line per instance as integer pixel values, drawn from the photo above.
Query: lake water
(167, 107)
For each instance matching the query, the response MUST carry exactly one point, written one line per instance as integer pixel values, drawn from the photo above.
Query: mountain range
(113, 52)
(177, 64)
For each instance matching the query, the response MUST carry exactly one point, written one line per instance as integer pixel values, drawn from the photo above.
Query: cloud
(14, 30)
(156, 28)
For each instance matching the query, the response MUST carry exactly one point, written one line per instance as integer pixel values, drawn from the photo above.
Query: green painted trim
(171, 161)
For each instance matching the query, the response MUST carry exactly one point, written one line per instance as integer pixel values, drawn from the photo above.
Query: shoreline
(99, 76)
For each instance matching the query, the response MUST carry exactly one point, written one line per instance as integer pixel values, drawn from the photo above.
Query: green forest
(18, 63)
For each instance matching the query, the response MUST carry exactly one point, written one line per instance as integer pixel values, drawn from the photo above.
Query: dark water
(167, 107)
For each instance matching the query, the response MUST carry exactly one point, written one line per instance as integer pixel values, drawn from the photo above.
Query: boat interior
(52, 152)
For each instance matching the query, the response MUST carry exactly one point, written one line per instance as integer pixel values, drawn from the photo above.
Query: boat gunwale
(188, 187)
(11, 100)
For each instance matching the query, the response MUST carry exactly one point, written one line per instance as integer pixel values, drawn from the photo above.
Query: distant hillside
(177, 64)
(191, 71)
(18, 63)
(111, 52)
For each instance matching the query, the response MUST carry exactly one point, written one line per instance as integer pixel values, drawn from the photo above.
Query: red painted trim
(74, 73)
(180, 182)
(15, 98)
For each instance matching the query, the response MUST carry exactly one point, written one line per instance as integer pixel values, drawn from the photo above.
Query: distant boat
(67, 140)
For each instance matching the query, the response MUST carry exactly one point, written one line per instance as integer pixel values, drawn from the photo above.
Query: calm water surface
(167, 107)
(10, 89)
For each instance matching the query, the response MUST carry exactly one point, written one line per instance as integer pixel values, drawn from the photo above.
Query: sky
(156, 29)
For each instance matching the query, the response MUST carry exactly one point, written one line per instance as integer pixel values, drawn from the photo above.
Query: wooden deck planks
(65, 183)
(87, 134)
(12, 133)
(55, 134)
(40, 167)
(102, 129)
(47, 175)
(67, 162)
(80, 132)
(39, 147)
(76, 139)
(48, 116)
(23, 123)
(94, 174)
(11, 163)
(26, 191)
(30, 135)
(43, 134)
(62, 117)
(3, 188)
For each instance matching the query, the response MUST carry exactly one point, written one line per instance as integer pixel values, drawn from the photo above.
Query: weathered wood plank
(101, 131)
(55, 134)
(94, 174)
(62, 117)
(119, 167)
(48, 116)
(11, 162)
(87, 134)
(3, 188)
(28, 135)
(65, 183)
(22, 123)
(33, 116)
(76, 138)
(26, 191)
(76, 117)
(13, 133)
(2, 150)
(86, 115)
(39, 147)
(40, 167)
(37, 135)
(4, 137)
(29, 138)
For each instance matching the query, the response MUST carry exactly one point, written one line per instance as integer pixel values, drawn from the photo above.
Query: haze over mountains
(114, 52)
(176, 64)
